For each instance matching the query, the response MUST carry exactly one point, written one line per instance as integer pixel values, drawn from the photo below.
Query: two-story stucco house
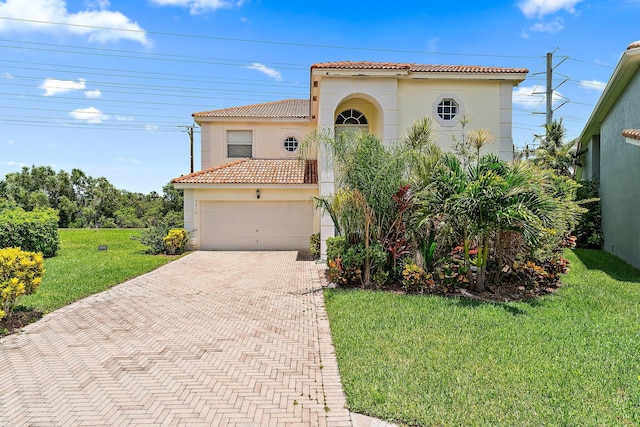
(254, 193)
(611, 138)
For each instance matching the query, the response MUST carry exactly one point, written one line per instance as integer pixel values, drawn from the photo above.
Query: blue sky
(107, 86)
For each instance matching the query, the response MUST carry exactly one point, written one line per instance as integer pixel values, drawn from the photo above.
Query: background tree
(84, 201)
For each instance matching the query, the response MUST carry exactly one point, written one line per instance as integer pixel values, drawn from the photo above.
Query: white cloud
(541, 8)
(552, 27)
(7, 76)
(90, 115)
(274, 74)
(197, 7)
(596, 85)
(533, 96)
(12, 163)
(124, 119)
(151, 128)
(127, 160)
(432, 44)
(95, 93)
(97, 4)
(11, 142)
(54, 86)
(52, 17)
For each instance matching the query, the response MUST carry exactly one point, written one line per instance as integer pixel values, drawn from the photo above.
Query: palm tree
(555, 153)
(368, 175)
(421, 134)
(483, 203)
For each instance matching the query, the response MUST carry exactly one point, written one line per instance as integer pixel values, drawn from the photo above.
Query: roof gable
(622, 75)
(256, 171)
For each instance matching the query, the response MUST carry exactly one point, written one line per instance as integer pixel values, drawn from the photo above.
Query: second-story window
(291, 144)
(351, 120)
(448, 109)
(239, 143)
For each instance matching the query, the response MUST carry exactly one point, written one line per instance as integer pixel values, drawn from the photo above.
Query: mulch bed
(18, 320)
(505, 292)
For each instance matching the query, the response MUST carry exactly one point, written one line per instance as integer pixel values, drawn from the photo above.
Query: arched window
(351, 120)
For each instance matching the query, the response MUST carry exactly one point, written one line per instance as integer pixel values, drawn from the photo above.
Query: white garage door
(256, 225)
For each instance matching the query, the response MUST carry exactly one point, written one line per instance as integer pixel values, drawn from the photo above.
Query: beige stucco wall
(482, 102)
(268, 193)
(392, 104)
(268, 138)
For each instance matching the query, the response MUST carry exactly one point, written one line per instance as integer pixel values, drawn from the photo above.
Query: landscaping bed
(18, 320)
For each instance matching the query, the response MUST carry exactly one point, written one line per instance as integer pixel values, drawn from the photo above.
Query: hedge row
(35, 231)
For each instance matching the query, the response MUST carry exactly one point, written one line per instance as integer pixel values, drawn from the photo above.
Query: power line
(146, 75)
(182, 89)
(270, 42)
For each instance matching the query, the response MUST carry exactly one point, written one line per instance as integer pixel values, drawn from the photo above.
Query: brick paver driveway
(215, 338)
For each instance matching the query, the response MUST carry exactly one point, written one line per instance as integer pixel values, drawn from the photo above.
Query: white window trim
(440, 120)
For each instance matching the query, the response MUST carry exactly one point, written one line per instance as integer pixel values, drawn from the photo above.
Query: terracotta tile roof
(256, 171)
(415, 68)
(288, 108)
(631, 133)
(634, 45)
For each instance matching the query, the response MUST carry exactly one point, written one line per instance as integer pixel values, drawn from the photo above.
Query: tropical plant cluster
(20, 274)
(415, 215)
(84, 201)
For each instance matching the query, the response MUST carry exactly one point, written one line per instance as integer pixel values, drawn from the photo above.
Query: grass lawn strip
(567, 359)
(80, 269)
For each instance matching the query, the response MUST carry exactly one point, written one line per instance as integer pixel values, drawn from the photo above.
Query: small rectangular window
(239, 143)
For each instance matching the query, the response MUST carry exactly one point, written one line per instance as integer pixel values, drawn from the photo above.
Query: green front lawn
(80, 269)
(568, 359)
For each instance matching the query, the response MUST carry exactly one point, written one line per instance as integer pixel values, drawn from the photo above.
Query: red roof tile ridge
(346, 64)
(213, 169)
(259, 104)
(631, 133)
(634, 45)
(415, 67)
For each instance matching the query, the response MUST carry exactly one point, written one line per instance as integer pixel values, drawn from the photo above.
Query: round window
(291, 144)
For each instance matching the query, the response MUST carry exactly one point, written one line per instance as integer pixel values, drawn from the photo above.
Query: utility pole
(549, 94)
(190, 130)
(550, 91)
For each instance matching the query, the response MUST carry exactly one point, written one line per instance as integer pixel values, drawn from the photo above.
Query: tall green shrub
(35, 231)
(588, 232)
(153, 238)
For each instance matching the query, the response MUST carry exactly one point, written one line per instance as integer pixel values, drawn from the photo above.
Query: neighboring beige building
(254, 193)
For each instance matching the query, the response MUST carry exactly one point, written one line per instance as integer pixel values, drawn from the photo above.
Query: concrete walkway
(212, 339)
